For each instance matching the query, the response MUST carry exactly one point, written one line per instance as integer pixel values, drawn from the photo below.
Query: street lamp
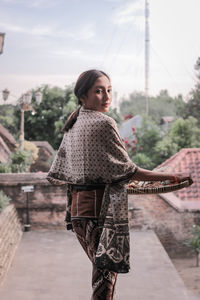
(25, 105)
(2, 37)
(5, 94)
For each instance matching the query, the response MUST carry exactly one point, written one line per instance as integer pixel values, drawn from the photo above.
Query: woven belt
(87, 187)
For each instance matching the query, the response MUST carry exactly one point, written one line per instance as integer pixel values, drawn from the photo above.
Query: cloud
(131, 12)
(34, 3)
(11, 27)
(85, 33)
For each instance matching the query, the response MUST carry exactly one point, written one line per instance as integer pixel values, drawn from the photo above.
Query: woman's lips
(106, 104)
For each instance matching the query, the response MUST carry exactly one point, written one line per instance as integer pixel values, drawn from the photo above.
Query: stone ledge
(10, 236)
(14, 179)
(179, 205)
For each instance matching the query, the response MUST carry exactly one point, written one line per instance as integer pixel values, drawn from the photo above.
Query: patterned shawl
(92, 152)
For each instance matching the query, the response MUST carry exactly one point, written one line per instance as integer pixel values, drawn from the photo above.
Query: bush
(4, 200)
(32, 148)
(194, 242)
(20, 161)
(143, 161)
(5, 168)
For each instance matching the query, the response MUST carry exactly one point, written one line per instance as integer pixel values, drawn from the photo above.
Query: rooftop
(186, 160)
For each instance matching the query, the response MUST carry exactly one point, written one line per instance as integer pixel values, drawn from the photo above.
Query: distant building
(165, 122)
(171, 215)
(186, 160)
(45, 153)
(7, 144)
(125, 130)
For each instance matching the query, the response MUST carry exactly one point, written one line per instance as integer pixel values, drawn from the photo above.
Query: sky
(53, 41)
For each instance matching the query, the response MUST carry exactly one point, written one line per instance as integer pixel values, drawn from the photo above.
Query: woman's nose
(107, 95)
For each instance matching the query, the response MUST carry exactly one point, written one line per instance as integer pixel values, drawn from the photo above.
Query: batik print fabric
(114, 244)
(103, 280)
(92, 152)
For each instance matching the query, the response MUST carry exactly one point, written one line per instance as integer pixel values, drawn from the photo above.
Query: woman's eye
(98, 91)
(109, 91)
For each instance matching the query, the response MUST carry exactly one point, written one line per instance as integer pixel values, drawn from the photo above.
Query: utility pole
(147, 55)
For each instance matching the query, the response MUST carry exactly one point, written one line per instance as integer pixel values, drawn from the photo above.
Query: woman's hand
(180, 177)
(146, 175)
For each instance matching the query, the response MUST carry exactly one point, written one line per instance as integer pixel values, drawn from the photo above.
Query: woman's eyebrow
(102, 87)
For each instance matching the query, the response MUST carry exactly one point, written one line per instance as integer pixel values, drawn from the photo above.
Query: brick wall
(172, 227)
(10, 236)
(47, 210)
(46, 204)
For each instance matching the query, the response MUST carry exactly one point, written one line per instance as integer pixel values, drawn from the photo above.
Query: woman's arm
(146, 175)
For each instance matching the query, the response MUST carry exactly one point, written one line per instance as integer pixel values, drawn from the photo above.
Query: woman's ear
(83, 99)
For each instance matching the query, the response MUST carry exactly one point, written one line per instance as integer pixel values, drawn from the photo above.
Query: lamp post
(5, 94)
(25, 105)
(2, 37)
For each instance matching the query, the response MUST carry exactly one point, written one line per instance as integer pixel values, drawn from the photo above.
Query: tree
(114, 114)
(141, 147)
(185, 133)
(8, 119)
(147, 136)
(159, 106)
(162, 105)
(182, 134)
(135, 104)
(192, 107)
(49, 117)
(46, 123)
(194, 243)
(164, 149)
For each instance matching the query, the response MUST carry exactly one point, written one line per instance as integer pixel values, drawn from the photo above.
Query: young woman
(93, 162)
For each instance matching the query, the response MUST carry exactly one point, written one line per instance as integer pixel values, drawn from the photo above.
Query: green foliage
(4, 200)
(134, 105)
(20, 161)
(33, 149)
(164, 149)
(148, 135)
(114, 114)
(150, 148)
(50, 115)
(159, 106)
(162, 105)
(182, 134)
(194, 242)
(5, 168)
(141, 147)
(185, 133)
(143, 161)
(8, 119)
(192, 107)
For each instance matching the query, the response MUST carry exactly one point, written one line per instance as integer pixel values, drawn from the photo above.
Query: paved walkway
(50, 265)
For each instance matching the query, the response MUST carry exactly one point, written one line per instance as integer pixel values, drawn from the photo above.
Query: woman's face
(99, 96)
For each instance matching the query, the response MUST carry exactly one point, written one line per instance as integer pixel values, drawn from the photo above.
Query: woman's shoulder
(97, 119)
(106, 119)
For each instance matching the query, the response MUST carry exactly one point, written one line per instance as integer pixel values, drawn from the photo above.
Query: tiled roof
(186, 160)
(44, 144)
(125, 130)
(8, 138)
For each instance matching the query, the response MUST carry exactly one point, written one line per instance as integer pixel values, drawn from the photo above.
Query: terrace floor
(50, 265)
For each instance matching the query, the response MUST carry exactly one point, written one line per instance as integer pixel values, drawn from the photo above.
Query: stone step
(50, 265)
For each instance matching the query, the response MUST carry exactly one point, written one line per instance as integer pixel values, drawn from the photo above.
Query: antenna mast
(147, 55)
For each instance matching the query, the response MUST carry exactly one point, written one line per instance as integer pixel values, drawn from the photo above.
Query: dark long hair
(84, 82)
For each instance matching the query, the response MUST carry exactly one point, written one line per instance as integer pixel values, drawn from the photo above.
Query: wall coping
(181, 205)
(14, 179)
